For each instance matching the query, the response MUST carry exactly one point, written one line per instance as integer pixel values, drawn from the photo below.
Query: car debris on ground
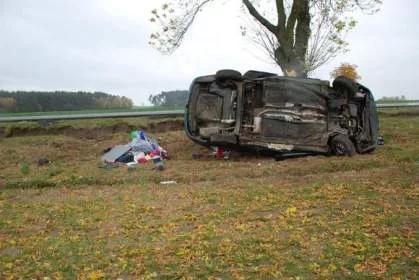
(140, 150)
(221, 153)
(43, 161)
(168, 183)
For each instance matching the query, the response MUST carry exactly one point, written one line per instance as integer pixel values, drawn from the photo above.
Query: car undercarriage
(281, 114)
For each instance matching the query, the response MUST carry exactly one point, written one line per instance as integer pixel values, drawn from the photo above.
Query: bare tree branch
(303, 31)
(266, 23)
(281, 14)
(307, 34)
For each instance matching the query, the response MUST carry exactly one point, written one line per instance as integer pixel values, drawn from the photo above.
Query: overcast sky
(102, 45)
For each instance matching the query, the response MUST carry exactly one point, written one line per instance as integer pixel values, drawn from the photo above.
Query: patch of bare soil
(164, 126)
(95, 132)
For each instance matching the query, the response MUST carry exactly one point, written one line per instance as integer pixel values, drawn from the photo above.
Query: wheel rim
(340, 149)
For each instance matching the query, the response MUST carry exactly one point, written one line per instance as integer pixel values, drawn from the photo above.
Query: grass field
(249, 217)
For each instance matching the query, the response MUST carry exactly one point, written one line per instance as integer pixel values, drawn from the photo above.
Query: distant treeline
(41, 101)
(174, 98)
(393, 98)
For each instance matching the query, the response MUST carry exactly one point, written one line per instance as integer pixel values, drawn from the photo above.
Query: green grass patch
(246, 218)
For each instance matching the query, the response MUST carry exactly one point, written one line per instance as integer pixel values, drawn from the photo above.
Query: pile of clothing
(142, 149)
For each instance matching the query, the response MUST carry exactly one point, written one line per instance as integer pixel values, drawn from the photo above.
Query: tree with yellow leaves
(348, 70)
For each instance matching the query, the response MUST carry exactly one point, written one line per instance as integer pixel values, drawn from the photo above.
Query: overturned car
(265, 111)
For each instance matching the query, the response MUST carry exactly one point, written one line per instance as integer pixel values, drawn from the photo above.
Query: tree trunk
(292, 35)
(294, 68)
(290, 64)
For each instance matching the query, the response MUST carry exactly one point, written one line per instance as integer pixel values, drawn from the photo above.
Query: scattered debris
(43, 161)
(380, 140)
(115, 153)
(168, 183)
(221, 153)
(141, 150)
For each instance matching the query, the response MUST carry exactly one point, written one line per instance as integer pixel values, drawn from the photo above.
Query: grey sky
(102, 45)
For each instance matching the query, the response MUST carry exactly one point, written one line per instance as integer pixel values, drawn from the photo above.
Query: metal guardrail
(398, 105)
(171, 113)
(168, 113)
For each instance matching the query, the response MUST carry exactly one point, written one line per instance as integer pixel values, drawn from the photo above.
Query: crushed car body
(265, 111)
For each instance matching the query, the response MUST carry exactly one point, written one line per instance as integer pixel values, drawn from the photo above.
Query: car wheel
(228, 75)
(342, 83)
(341, 145)
(252, 74)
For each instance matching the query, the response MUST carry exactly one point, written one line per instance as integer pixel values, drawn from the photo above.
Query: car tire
(342, 83)
(227, 74)
(341, 145)
(252, 74)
